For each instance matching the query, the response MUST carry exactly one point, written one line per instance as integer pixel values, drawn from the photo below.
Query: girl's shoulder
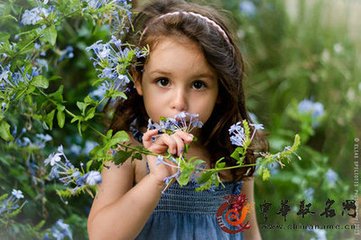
(139, 166)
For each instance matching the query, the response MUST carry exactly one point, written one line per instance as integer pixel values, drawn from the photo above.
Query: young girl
(194, 66)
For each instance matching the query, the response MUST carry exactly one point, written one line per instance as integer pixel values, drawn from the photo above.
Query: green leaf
(89, 100)
(184, 177)
(109, 134)
(187, 169)
(137, 156)
(38, 226)
(5, 131)
(82, 106)
(265, 174)
(40, 81)
(90, 114)
(50, 34)
(235, 154)
(60, 116)
(115, 94)
(88, 164)
(220, 164)
(58, 94)
(27, 91)
(121, 156)
(49, 119)
(204, 177)
(121, 136)
(76, 118)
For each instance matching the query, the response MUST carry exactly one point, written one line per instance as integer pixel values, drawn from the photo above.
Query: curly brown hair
(221, 53)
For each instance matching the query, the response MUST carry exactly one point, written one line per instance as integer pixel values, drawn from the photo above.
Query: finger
(162, 143)
(180, 143)
(186, 137)
(147, 137)
(169, 141)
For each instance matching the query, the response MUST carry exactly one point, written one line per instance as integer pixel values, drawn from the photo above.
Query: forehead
(178, 54)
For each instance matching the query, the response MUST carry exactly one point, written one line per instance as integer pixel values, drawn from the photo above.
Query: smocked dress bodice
(185, 214)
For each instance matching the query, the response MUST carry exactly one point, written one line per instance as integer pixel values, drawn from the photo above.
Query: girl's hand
(159, 143)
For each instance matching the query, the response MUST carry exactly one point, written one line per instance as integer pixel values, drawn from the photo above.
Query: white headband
(210, 21)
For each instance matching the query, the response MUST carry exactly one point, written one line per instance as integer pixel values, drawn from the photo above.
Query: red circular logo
(232, 214)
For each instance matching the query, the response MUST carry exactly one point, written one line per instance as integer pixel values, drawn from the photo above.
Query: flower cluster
(112, 60)
(115, 12)
(10, 204)
(37, 14)
(238, 135)
(315, 109)
(64, 170)
(59, 231)
(183, 121)
(10, 80)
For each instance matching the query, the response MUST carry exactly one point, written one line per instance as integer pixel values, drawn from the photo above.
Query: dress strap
(237, 186)
(138, 135)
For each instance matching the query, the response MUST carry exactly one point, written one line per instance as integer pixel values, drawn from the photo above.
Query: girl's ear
(137, 77)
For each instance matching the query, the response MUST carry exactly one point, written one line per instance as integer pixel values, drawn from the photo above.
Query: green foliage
(289, 60)
(294, 52)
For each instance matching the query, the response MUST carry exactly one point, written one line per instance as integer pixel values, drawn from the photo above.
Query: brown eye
(198, 85)
(163, 82)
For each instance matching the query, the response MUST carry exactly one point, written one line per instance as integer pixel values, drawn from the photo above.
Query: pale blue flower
(331, 177)
(75, 149)
(18, 194)
(257, 126)
(238, 136)
(54, 172)
(309, 194)
(53, 159)
(95, 4)
(11, 203)
(315, 109)
(42, 139)
(100, 91)
(70, 175)
(93, 178)
(89, 145)
(169, 178)
(3, 106)
(183, 121)
(61, 230)
(35, 15)
(160, 159)
(274, 169)
(4, 74)
(68, 52)
(248, 8)
(112, 60)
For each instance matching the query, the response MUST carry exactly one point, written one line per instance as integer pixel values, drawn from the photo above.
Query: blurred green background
(295, 50)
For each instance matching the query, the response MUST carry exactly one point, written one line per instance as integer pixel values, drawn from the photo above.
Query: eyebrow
(158, 71)
(200, 75)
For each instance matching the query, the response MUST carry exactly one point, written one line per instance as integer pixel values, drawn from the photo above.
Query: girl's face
(177, 78)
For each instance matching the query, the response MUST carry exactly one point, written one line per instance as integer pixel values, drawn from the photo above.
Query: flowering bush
(39, 42)
(62, 60)
(304, 76)
(35, 108)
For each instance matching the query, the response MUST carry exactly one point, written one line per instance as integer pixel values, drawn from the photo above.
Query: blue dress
(183, 213)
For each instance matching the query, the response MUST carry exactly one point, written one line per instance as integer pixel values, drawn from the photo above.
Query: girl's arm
(248, 189)
(120, 210)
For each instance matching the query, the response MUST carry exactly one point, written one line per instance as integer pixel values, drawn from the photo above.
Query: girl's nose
(179, 100)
